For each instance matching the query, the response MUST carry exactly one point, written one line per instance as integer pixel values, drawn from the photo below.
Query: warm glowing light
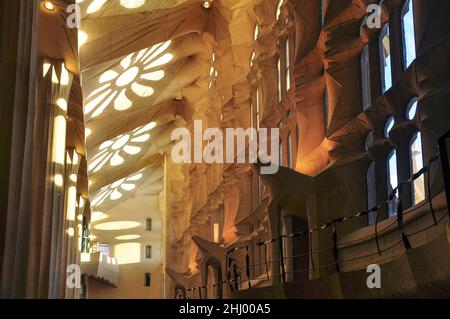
(65, 77)
(131, 78)
(280, 4)
(128, 76)
(207, 4)
(71, 202)
(81, 202)
(62, 103)
(127, 253)
(55, 79)
(85, 257)
(48, 5)
(127, 237)
(166, 58)
(59, 181)
(97, 216)
(114, 191)
(87, 132)
(82, 38)
(216, 232)
(73, 178)
(59, 139)
(45, 68)
(95, 6)
(115, 150)
(71, 232)
(132, 4)
(75, 158)
(117, 225)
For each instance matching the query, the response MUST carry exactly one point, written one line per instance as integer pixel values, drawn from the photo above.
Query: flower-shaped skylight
(114, 151)
(132, 79)
(97, 5)
(117, 189)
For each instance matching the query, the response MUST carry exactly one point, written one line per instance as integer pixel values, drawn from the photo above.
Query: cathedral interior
(94, 204)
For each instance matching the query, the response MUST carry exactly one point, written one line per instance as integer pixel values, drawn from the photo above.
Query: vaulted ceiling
(148, 67)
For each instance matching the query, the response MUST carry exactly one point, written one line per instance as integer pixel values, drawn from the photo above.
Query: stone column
(275, 226)
(17, 107)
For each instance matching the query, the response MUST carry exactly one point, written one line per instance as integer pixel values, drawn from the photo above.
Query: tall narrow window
(280, 93)
(386, 63)
(258, 106)
(216, 233)
(409, 37)
(392, 182)
(281, 154)
(148, 251)
(322, 12)
(365, 78)
(280, 150)
(148, 224)
(289, 150)
(371, 192)
(416, 165)
(255, 38)
(278, 12)
(411, 110)
(288, 73)
(148, 279)
(389, 126)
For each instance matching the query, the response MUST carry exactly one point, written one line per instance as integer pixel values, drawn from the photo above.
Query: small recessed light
(207, 4)
(48, 5)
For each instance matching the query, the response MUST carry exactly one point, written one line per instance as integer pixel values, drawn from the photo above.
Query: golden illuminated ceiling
(149, 67)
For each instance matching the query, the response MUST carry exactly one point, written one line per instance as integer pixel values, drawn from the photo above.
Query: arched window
(392, 182)
(148, 251)
(288, 58)
(365, 77)
(389, 126)
(418, 187)
(411, 110)
(409, 37)
(148, 279)
(148, 224)
(386, 63)
(371, 192)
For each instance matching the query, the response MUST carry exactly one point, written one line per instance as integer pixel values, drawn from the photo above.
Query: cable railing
(234, 272)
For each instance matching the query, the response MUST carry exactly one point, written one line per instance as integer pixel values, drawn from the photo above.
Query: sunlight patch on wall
(120, 225)
(127, 253)
(128, 237)
(114, 151)
(131, 79)
(97, 216)
(97, 5)
(132, 4)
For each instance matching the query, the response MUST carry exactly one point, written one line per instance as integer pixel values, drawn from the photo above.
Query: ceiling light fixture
(207, 4)
(48, 6)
